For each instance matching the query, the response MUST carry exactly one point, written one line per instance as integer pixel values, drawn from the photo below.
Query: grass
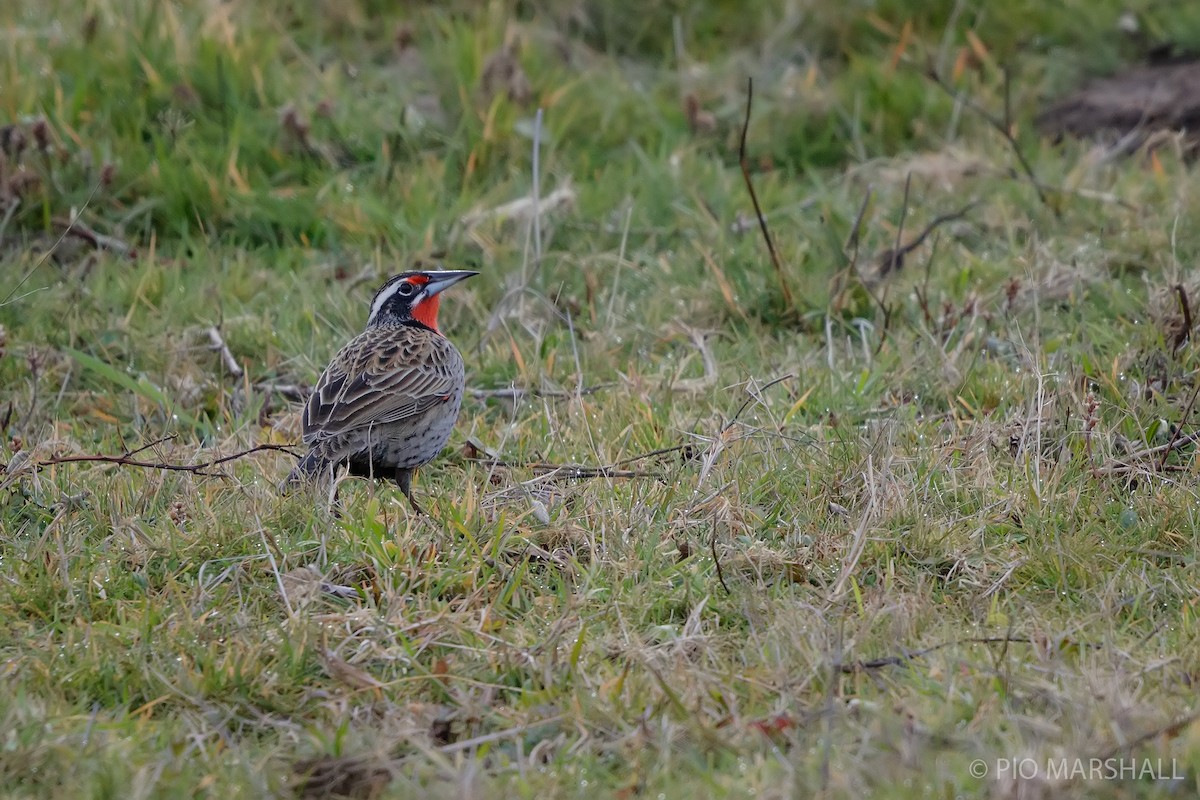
(734, 618)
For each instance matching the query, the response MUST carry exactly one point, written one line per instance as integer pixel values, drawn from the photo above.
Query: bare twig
(922, 293)
(97, 240)
(1185, 308)
(583, 471)
(1001, 126)
(516, 393)
(218, 344)
(754, 398)
(154, 443)
(762, 220)
(571, 471)
(855, 238)
(662, 451)
(127, 460)
(895, 661)
(893, 260)
(725, 428)
(716, 559)
(1130, 463)
(1169, 731)
(1091, 419)
(900, 225)
(1187, 412)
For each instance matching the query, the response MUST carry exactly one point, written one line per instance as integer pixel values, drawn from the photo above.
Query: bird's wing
(382, 376)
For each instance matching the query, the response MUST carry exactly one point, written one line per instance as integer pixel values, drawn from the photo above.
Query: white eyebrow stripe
(387, 293)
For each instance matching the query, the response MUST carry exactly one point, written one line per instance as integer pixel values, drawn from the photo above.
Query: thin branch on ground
(1091, 419)
(754, 398)
(1185, 308)
(614, 470)
(218, 344)
(97, 240)
(1187, 413)
(922, 292)
(571, 471)
(854, 244)
(516, 393)
(895, 661)
(1135, 461)
(127, 459)
(762, 220)
(1169, 731)
(893, 260)
(1001, 126)
(716, 559)
(855, 238)
(662, 451)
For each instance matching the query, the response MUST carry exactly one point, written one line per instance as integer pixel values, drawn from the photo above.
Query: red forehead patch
(419, 280)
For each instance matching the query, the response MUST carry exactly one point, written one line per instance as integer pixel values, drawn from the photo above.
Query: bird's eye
(407, 289)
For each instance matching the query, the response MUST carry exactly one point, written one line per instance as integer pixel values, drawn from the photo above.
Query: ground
(842, 525)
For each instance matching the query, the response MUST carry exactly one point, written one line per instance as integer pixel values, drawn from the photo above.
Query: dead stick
(903, 218)
(127, 460)
(1187, 412)
(762, 220)
(894, 259)
(752, 398)
(1170, 731)
(516, 393)
(1000, 126)
(716, 560)
(852, 241)
(1186, 308)
(614, 470)
(145, 447)
(580, 471)
(96, 239)
(218, 344)
(893, 661)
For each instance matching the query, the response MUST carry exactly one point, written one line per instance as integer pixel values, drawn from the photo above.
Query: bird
(388, 400)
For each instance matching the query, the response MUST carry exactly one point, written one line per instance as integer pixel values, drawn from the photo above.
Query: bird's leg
(404, 479)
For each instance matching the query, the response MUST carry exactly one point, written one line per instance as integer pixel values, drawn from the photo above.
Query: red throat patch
(425, 312)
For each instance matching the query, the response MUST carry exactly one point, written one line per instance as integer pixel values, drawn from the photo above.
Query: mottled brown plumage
(388, 400)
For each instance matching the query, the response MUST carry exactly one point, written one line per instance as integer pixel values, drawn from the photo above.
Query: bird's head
(413, 297)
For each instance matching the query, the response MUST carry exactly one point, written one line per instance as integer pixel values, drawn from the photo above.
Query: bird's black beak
(440, 281)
